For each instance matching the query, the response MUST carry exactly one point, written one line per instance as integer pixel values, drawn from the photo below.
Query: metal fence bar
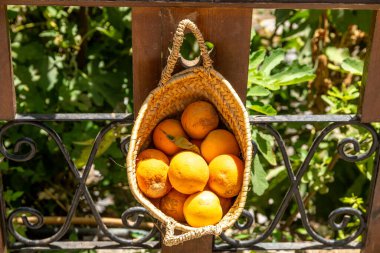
(259, 4)
(372, 237)
(112, 245)
(267, 124)
(7, 90)
(75, 117)
(370, 95)
(129, 117)
(3, 229)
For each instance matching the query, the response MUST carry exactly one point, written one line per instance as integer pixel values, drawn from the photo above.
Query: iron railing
(337, 220)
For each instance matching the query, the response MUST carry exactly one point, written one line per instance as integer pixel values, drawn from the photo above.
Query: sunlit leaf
(272, 61)
(258, 177)
(295, 74)
(353, 65)
(264, 109)
(182, 142)
(265, 144)
(337, 55)
(107, 141)
(258, 91)
(256, 59)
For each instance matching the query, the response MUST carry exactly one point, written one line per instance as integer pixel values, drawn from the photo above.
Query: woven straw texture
(170, 99)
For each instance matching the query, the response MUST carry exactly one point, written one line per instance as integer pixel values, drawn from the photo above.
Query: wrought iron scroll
(81, 190)
(337, 220)
(345, 213)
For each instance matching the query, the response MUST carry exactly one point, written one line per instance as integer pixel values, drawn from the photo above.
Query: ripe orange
(172, 205)
(226, 175)
(155, 202)
(152, 178)
(219, 142)
(202, 209)
(197, 143)
(199, 118)
(169, 128)
(152, 153)
(226, 204)
(188, 172)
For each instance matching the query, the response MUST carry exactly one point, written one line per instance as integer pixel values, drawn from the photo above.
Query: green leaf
(88, 142)
(209, 45)
(366, 167)
(353, 65)
(264, 81)
(17, 195)
(258, 91)
(256, 59)
(337, 55)
(295, 74)
(328, 100)
(343, 19)
(182, 142)
(242, 236)
(272, 61)
(265, 144)
(301, 231)
(264, 109)
(10, 195)
(52, 77)
(282, 15)
(49, 33)
(276, 172)
(258, 177)
(108, 140)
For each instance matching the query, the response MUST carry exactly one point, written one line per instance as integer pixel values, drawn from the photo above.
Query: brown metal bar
(370, 99)
(146, 46)
(261, 247)
(2, 242)
(3, 238)
(201, 245)
(7, 92)
(304, 4)
(372, 237)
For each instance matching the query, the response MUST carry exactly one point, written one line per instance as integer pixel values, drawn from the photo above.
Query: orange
(155, 202)
(197, 143)
(226, 204)
(169, 128)
(219, 142)
(152, 153)
(202, 209)
(199, 118)
(188, 172)
(152, 178)
(226, 175)
(172, 205)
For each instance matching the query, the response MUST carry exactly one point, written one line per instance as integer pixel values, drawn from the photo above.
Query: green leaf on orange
(182, 142)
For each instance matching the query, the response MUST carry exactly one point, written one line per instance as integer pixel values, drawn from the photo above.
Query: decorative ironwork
(81, 190)
(337, 220)
(293, 191)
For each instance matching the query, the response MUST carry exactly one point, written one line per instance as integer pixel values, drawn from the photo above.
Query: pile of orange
(193, 172)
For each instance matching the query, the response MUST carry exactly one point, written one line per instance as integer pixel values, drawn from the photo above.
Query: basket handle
(171, 239)
(177, 43)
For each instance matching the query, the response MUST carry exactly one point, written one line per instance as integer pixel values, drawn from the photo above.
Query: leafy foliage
(79, 59)
(308, 63)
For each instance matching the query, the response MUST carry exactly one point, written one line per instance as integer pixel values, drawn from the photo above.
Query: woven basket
(170, 98)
